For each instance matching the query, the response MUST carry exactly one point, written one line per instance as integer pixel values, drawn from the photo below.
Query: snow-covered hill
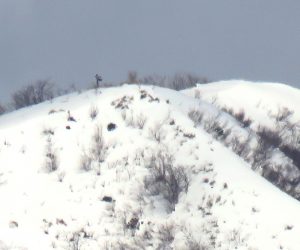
(258, 99)
(269, 114)
(133, 167)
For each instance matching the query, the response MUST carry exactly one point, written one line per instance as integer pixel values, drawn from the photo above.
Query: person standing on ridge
(98, 80)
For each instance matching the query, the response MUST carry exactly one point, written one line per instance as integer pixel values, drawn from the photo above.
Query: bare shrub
(131, 120)
(261, 155)
(93, 112)
(2, 109)
(196, 116)
(157, 133)
(86, 162)
(51, 163)
(48, 131)
(260, 148)
(154, 80)
(178, 81)
(283, 114)
(284, 175)
(97, 153)
(240, 116)
(192, 243)
(35, 93)
(165, 179)
(235, 238)
(269, 137)
(61, 176)
(75, 241)
(211, 124)
(241, 146)
(185, 80)
(293, 153)
(99, 149)
(166, 235)
(140, 121)
(123, 102)
(286, 135)
(132, 77)
(268, 140)
(216, 128)
(78, 238)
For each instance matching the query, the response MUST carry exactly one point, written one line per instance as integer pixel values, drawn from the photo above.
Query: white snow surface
(227, 205)
(258, 99)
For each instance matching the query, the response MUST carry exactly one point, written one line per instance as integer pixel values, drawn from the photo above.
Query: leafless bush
(286, 135)
(293, 153)
(78, 238)
(261, 155)
(167, 235)
(241, 146)
(185, 80)
(154, 80)
(32, 94)
(240, 116)
(157, 133)
(165, 179)
(132, 77)
(235, 238)
(48, 131)
(51, 157)
(99, 149)
(97, 154)
(216, 128)
(2, 109)
(196, 116)
(93, 112)
(75, 242)
(121, 245)
(61, 176)
(122, 103)
(261, 147)
(86, 162)
(140, 121)
(211, 124)
(269, 137)
(178, 81)
(192, 243)
(283, 114)
(137, 121)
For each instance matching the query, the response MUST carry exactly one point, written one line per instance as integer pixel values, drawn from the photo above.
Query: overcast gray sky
(71, 40)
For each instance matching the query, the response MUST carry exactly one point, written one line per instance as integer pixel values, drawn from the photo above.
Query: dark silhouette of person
(98, 80)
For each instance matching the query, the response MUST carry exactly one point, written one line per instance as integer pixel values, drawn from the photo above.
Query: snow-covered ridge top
(260, 99)
(245, 92)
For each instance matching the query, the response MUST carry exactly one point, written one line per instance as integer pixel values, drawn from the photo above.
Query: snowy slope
(99, 197)
(269, 112)
(259, 99)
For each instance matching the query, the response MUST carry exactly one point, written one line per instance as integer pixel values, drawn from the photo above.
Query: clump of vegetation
(2, 109)
(96, 155)
(51, 163)
(178, 81)
(35, 93)
(165, 179)
(93, 112)
(239, 116)
(259, 147)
